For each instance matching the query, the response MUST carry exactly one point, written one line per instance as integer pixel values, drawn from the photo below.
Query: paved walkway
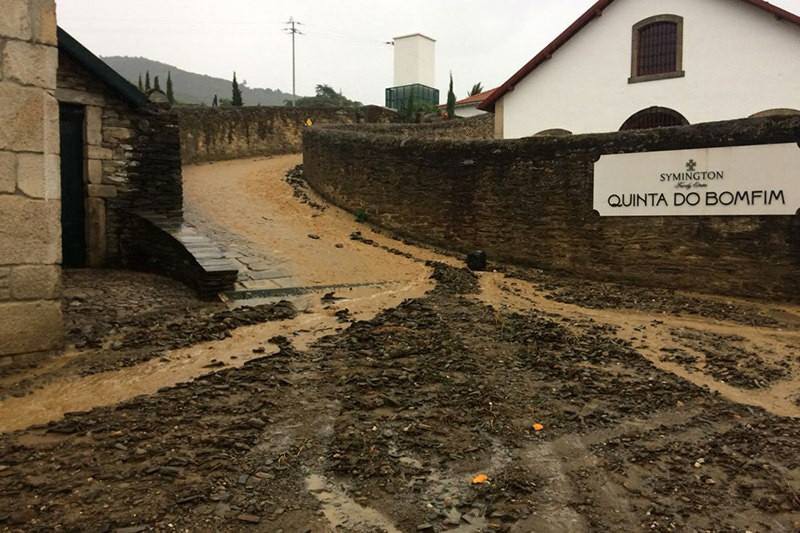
(279, 242)
(257, 269)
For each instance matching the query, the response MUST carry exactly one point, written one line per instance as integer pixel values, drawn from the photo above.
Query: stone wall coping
(724, 133)
(401, 126)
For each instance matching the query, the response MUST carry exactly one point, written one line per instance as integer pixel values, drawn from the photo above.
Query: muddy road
(445, 401)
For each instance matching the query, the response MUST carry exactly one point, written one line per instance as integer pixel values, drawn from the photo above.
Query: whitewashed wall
(739, 60)
(414, 61)
(468, 111)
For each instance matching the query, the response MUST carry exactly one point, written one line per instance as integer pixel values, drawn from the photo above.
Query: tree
(156, 84)
(215, 103)
(451, 100)
(141, 87)
(170, 93)
(325, 96)
(147, 82)
(476, 89)
(236, 100)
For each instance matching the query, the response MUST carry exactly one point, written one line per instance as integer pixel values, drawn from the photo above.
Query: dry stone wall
(529, 201)
(474, 128)
(30, 227)
(222, 133)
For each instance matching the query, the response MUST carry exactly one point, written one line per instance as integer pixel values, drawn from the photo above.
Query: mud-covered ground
(384, 427)
(515, 400)
(117, 319)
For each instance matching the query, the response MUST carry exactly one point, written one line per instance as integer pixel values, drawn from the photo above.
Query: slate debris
(607, 295)
(300, 187)
(726, 359)
(401, 410)
(126, 318)
(191, 328)
(358, 237)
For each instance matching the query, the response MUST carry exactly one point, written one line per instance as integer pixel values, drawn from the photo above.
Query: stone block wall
(529, 201)
(30, 226)
(216, 134)
(132, 159)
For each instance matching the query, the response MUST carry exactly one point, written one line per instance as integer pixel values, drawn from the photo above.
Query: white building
(629, 64)
(414, 60)
(414, 73)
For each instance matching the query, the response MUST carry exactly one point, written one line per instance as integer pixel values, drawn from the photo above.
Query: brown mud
(650, 412)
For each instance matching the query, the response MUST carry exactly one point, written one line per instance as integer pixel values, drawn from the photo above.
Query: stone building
(30, 231)
(120, 154)
(90, 175)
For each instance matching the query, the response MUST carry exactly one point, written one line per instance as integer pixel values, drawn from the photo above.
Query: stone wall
(215, 134)
(30, 227)
(132, 159)
(529, 201)
(474, 128)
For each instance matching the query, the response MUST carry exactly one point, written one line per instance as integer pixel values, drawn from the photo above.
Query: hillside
(189, 87)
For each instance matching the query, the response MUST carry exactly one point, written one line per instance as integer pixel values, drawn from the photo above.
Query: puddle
(342, 511)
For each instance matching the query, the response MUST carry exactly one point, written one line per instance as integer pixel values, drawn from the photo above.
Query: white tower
(414, 60)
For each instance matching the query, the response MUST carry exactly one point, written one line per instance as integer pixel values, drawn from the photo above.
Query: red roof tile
(472, 100)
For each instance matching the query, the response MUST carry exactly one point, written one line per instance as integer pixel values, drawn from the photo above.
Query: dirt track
(658, 411)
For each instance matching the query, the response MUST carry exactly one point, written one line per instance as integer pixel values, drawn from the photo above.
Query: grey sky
(344, 41)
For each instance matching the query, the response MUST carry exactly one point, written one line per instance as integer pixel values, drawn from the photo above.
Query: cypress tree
(147, 82)
(237, 93)
(170, 93)
(215, 103)
(141, 87)
(156, 84)
(451, 100)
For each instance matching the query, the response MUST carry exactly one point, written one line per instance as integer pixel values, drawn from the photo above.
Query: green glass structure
(414, 96)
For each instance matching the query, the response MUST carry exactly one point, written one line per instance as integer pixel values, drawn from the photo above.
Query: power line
(292, 29)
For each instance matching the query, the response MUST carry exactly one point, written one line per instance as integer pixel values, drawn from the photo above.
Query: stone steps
(182, 252)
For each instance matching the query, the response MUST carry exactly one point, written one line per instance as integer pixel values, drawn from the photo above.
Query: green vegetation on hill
(326, 96)
(191, 88)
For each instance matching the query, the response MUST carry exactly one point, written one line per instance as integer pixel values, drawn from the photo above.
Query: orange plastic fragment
(480, 479)
(538, 427)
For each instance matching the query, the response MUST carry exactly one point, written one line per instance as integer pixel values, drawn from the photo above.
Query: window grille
(655, 117)
(658, 49)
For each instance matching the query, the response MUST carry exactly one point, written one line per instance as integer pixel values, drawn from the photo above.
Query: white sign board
(736, 180)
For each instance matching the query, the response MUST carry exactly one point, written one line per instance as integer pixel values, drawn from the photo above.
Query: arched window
(657, 51)
(654, 117)
(783, 112)
(554, 132)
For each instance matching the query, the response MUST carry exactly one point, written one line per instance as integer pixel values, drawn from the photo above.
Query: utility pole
(292, 29)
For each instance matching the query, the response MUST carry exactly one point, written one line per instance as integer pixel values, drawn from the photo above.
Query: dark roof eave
(126, 90)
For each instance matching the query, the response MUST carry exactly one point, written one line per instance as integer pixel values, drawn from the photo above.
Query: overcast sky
(344, 42)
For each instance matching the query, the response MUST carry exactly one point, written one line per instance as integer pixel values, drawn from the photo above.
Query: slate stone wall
(222, 133)
(474, 128)
(529, 201)
(132, 159)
